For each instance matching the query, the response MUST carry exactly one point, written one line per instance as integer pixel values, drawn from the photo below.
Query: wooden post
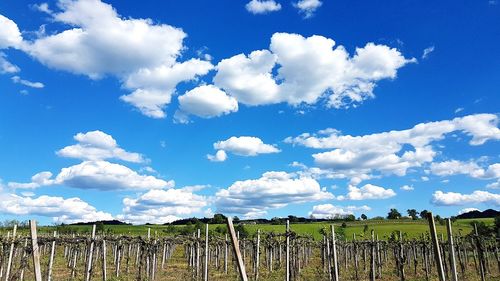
(257, 256)
(480, 254)
(372, 257)
(334, 250)
(198, 254)
(225, 255)
(206, 253)
(435, 244)
(11, 252)
(89, 256)
(51, 260)
(287, 250)
(21, 277)
(104, 274)
(36, 253)
(454, 276)
(236, 248)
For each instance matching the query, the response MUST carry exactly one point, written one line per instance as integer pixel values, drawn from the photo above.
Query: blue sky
(153, 111)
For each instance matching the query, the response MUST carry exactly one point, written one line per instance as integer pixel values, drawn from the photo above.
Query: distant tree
(218, 219)
(412, 213)
(236, 220)
(344, 225)
(393, 214)
(364, 217)
(423, 214)
(350, 218)
(242, 230)
(293, 218)
(365, 228)
(99, 227)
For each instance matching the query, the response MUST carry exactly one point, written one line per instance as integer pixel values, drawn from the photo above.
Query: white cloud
(6, 66)
(100, 175)
(307, 70)
(245, 146)
(10, 36)
(207, 101)
(39, 179)
(97, 145)
(325, 211)
(458, 110)
(472, 169)
(262, 6)
(308, 7)
(407, 187)
(162, 206)
(466, 210)
(457, 199)
(18, 80)
(427, 52)
(140, 53)
(273, 190)
(368, 191)
(388, 152)
(424, 178)
(62, 210)
(220, 156)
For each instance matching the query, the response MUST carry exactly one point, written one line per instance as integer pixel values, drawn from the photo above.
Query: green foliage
(364, 217)
(393, 214)
(218, 219)
(412, 213)
(242, 230)
(423, 214)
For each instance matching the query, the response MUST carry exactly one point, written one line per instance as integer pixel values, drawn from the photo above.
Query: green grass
(383, 228)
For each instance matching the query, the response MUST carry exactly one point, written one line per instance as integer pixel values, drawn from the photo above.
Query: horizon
(154, 112)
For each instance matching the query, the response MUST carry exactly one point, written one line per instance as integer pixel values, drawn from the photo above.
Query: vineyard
(260, 256)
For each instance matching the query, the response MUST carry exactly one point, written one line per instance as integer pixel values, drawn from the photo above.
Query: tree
(423, 214)
(365, 229)
(219, 219)
(99, 227)
(350, 218)
(412, 213)
(393, 214)
(364, 217)
(236, 220)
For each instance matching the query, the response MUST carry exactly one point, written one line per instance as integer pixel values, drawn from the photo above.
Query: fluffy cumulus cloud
(252, 198)
(243, 146)
(367, 192)
(393, 152)
(94, 172)
(97, 145)
(140, 53)
(262, 6)
(207, 101)
(441, 198)
(298, 70)
(471, 168)
(220, 156)
(61, 210)
(407, 187)
(100, 175)
(307, 7)
(326, 211)
(162, 206)
(10, 36)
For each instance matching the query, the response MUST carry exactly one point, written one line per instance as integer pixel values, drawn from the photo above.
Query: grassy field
(383, 228)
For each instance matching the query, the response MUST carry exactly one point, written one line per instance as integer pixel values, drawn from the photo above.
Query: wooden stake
(435, 244)
(51, 260)
(104, 273)
(89, 255)
(287, 250)
(36, 253)
(454, 276)
(334, 250)
(236, 248)
(11, 252)
(206, 254)
(257, 256)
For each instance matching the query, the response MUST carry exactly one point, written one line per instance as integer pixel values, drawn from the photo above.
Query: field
(383, 228)
(168, 255)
